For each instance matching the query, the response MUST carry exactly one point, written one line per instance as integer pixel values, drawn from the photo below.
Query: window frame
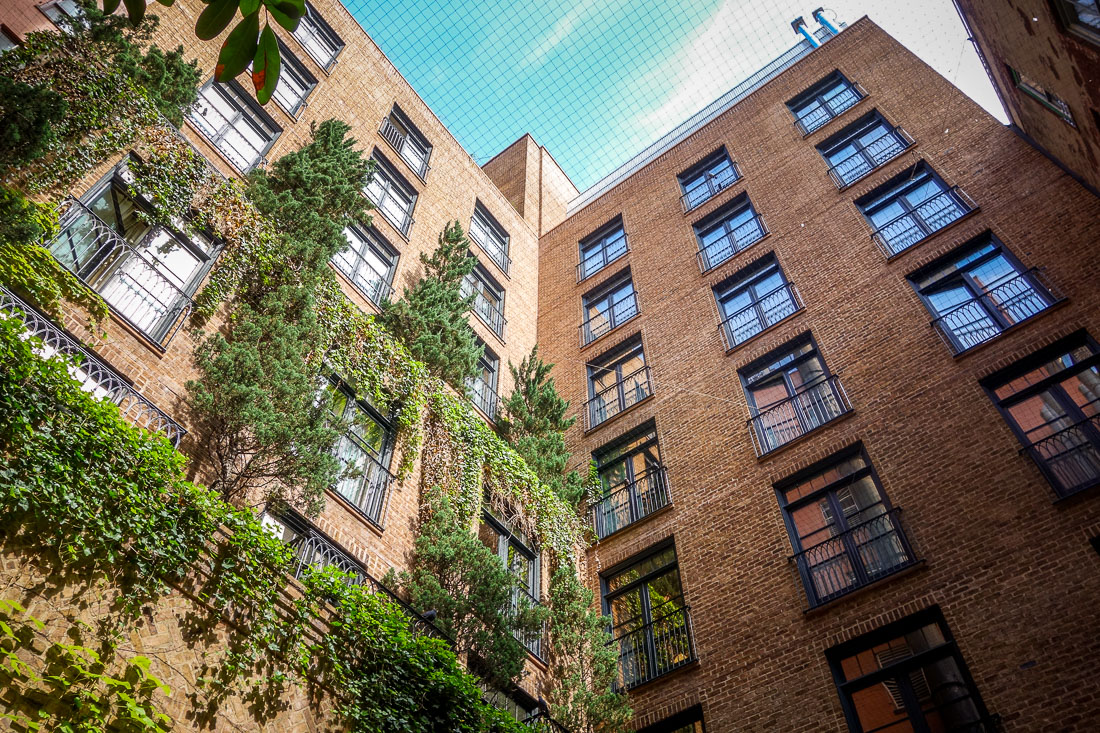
(1071, 22)
(612, 361)
(412, 136)
(323, 30)
(489, 222)
(745, 281)
(814, 95)
(247, 111)
(893, 190)
(481, 275)
(646, 492)
(352, 401)
(370, 237)
(775, 355)
(850, 136)
(393, 181)
(680, 722)
(290, 63)
(722, 218)
(690, 179)
(487, 361)
(598, 241)
(1033, 89)
(605, 291)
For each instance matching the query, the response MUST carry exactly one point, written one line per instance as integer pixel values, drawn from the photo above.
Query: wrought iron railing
(94, 375)
(986, 316)
(769, 310)
(541, 722)
(395, 211)
(831, 109)
(620, 311)
(371, 283)
(737, 240)
(489, 314)
(367, 483)
(409, 149)
(123, 275)
(650, 650)
(797, 415)
(1070, 458)
(496, 251)
(484, 397)
(709, 187)
(630, 502)
(905, 230)
(534, 640)
(602, 257)
(887, 146)
(852, 559)
(618, 397)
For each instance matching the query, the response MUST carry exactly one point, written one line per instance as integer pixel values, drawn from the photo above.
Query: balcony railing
(832, 108)
(854, 558)
(985, 317)
(367, 485)
(395, 210)
(797, 415)
(621, 311)
(602, 257)
(709, 187)
(630, 502)
(1070, 458)
(411, 151)
(533, 641)
(497, 251)
(887, 146)
(371, 283)
(484, 398)
(737, 240)
(769, 310)
(94, 376)
(123, 275)
(541, 722)
(656, 648)
(489, 314)
(902, 232)
(618, 397)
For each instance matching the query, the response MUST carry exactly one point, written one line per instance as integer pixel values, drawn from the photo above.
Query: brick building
(832, 344)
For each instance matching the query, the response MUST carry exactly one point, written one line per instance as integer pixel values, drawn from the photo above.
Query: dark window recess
(318, 38)
(234, 123)
(488, 234)
(703, 181)
(978, 291)
(616, 382)
(1032, 88)
(753, 299)
(1080, 17)
(730, 230)
(633, 479)
(844, 532)
(391, 194)
(364, 450)
(790, 392)
(601, 249)
(910, 207)
(650, 621)
(688, 721)
(488, 298)
(608, 307)
(483, 386)
(823, 101)
(369, 262)
(861, 147)
(295, 82)
(409, 143)
(1051, 400)
(521, 557)
(908, 675)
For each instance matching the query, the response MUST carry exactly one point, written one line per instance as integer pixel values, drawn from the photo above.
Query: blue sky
(595, 81)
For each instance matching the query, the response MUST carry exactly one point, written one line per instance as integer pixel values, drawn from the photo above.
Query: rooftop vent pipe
(799, 26)
(819, 16)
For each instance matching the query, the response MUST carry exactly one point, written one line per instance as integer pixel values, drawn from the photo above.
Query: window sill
(914, 567)
(611, 331)
(833, 120)
(617, 415)
(488, 327)
(625, 529)
(345, 279)
(1014, 327)
(754, 337)
(920, 243)
(356, 512)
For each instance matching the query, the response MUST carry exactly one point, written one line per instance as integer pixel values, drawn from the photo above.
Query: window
(146, 273)
(483, 386)
(843, 530)
(391, 194)
(978, 291)
(910, 207)
(688, 721)
(823, 101)
(705, 180)
(601, 249)
(488, 298)
(753, 299)
(8, 40)
(1080, 17)
(318, 38)
(1052, 402)
(369, 262)
(608, 307)
(861, 147)
(364, 449)
(65, 14)
(790, 392)
(616, 382)
(312, 548)
(295, 82)
(649, 617)
(1041, 94)
(633, 479)
(730, 230)
(908, 675)
(490, 236)
(234, 123)
(406, 140)
(519, 555)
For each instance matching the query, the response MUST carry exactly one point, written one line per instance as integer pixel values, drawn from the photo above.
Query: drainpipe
(799, 26)
(819, 16)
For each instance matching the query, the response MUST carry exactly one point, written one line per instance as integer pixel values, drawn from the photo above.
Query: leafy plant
(27, 116)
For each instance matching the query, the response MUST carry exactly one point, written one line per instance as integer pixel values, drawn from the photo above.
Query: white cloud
(560, 33)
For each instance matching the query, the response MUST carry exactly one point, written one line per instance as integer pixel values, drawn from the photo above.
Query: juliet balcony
(617, 397)
(797, 415)
(630, 502)
(916, 223)
(648, 649)
(1070, 457)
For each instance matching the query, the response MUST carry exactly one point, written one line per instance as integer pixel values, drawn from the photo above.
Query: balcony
(532, 642)
(902, 232)
(621, 311)
(410, 150)
(887, 146)
(854, 558)
(617, 398)
(488, 313)
(738, 240)
(94, 376)
(362, 274)
(541, 722)
(490, 245)
(830, 109)
(126, 277)
(1070, 458)
(797, 415)
(769, 310)
(983, 318)
(630, 502)
(709, 187)
(484, 398)
(367, 483)
(601, 258)
(652, 649)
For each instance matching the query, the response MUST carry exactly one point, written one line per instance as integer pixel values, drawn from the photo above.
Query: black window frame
(488, 394)
(291, 64)
(864, 152)
(390, 132)
(691, 179)
(1032, 89)
(325, 31)
(495, 320)
(393, 180)
(723, 218)
(248, 110)
(814, 95)
(609, 361)
(508, 539)
(745, 280)
(627, 305)
(1071, 22)
(680, 722)
(598, 241)
(504, 262)
(637, 496)
(373, 239)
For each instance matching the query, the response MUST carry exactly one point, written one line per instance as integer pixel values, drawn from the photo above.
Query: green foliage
(27, 115)
(533, 420)
(430, 319)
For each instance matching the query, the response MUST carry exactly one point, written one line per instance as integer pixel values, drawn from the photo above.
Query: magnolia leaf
(248, 7)
(135, 9)
(266, 65)
(287, 13)
(110, 6)
(238, 49)
(214, 18)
